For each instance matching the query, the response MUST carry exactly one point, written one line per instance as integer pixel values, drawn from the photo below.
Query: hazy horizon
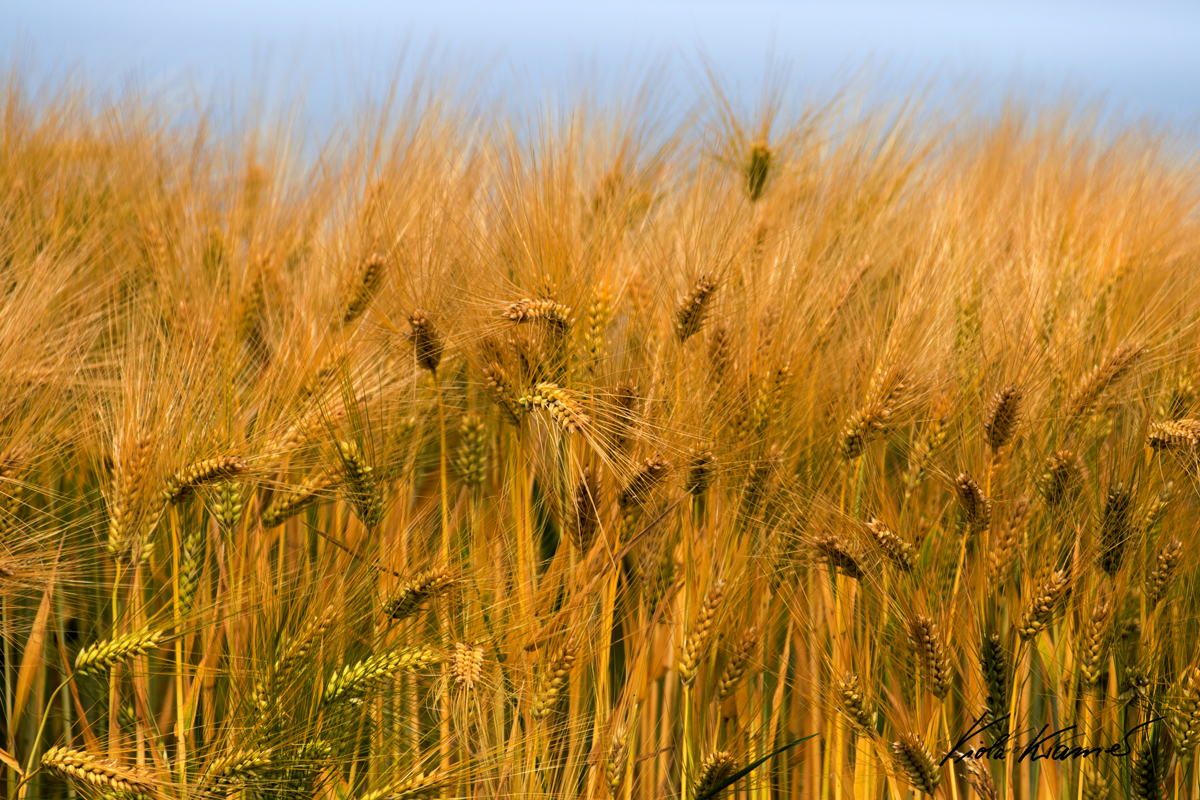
(1140, 62)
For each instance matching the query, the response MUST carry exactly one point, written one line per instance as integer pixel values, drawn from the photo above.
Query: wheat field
(818, 453)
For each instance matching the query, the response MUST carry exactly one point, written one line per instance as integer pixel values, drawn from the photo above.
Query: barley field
(819, 452)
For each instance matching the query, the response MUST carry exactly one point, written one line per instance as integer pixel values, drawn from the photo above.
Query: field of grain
(580, 453)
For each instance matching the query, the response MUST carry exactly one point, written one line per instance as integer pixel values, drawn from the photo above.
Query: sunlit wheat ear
(994, 664)
(360, 678)
(130, 476)
(103, 655)
(617, 757)
(1158, 584)
(421, 785)
(101, 773)
(739, 662)
(1008, 538)
(563, 406)
(361, 484)
(191, 562)
(418, 590)
(836, 551)
(976, 507)
(553, 315)
(584, 522)
(873, 418)
(1093, 658)
(1115, 528)
(926, 639)
(1184, 716)
(1003, 415)
(915, 760)
(1181, 435)
(1148, 775)
(466, 665)
(715, 769)
(229, 771)
(183, 484)
(693, 307)
(553, 679)
(1113, 368)
(699, 636)
(756, 169)
(227, 504)
(285, 505)
(500, 390)
(896, 550)
(595, 335)
(427, 343)
(854, 704)
(1041, 607)
(366, 283)
(470, 459)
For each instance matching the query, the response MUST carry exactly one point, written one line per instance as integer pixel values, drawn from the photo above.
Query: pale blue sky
(1142, 57)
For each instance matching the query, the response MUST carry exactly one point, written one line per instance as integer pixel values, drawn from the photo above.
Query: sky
(1141, 60)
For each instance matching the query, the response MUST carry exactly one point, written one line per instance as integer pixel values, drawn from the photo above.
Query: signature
(1044, 745)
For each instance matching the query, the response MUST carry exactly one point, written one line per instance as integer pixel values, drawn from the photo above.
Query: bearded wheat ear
(357, 679)
(104, 655)
(1003, 416)
(1184, 717)
(835, 551)
(426, 341)
(1041, 609)
(584, 522)
(363, 489)
(366, 283)
(715, 769)
(546, 311)
(899, 552)
(1159, 582)
(695, 646)
(976, 507)
(553, 680)
(693, 307)
(285, 506)
(1108, 372)
(926, 639)
(500, 391)
(421, 785)
(1115, 528)
(757, 169)
(915, 760)
(183, 484)
(739, 662)
(101, 773)
(418, 590)
(854, 704)
(1148, 775)
(1094, 656)
(130, 475)
(563, 406)
(470, 460)
(994, 663)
